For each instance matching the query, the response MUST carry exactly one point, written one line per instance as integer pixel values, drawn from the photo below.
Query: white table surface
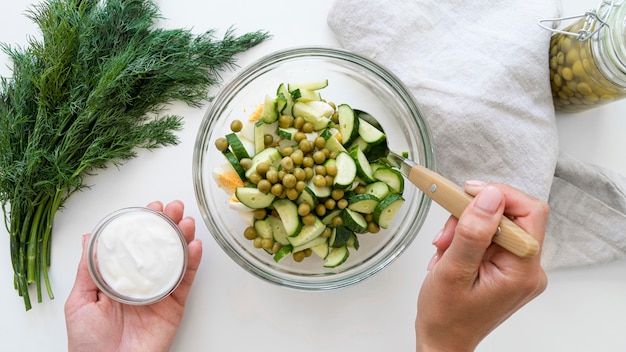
(583, 309)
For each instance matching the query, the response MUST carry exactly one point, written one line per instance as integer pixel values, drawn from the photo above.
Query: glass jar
(588, 59)
(137, 256)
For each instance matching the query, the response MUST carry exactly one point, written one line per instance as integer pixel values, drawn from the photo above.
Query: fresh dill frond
(85, 96)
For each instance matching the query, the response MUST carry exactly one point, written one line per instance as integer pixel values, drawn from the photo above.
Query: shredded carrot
(256, 114)
(230, 180)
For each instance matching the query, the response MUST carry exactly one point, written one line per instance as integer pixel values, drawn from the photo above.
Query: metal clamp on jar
(588, 58)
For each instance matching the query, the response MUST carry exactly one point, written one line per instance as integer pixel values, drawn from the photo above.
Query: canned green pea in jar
(588, 59)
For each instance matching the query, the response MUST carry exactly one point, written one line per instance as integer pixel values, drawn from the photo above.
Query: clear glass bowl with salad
(290, 172)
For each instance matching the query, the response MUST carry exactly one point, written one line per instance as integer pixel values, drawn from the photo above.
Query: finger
(444, 237)
(528, 212)
(188, 227)
(516, 201)
(84, 290)
(474, 232)
(174, 210)
(156, 205)
(195, 256)
(442, 241)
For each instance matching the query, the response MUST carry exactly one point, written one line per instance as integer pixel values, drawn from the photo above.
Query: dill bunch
(85, 96)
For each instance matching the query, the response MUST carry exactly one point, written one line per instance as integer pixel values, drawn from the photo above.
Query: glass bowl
(352, 79)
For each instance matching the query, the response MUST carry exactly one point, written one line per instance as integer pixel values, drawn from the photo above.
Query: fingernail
(489, 199)
(475, 183)
(473, 186)
(157, 204)
(437, 237)
(432, 262)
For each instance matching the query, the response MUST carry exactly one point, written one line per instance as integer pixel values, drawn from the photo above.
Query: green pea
(250, 233)
(289, 181)
(221, 144)
(264, 186)
(236, 125)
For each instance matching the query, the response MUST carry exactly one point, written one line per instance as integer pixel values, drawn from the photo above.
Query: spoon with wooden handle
(449, 195)
(454, 199)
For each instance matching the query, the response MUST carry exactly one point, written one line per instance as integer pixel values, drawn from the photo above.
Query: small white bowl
(137, 255)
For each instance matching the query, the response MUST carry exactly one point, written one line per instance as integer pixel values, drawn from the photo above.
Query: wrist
(428, 348)
(441, 340)
(424, 347)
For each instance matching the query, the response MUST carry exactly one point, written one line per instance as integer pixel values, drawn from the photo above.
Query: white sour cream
(140, 255)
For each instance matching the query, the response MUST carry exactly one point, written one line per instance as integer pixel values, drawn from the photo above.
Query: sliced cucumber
(308, 233)
(259, 137)
(316, 112)
(340, 236)
(263, 228)
(288, 213)
(319, 191)
(326, 133)
(278, 230)
(387, 209)
(358, 141)
(284, 101)
(232, 160)
(286, 143)
(328, 218)
(312, 243)
(369, 133)
(311, 85)
(363, 168)
(369, 118)
(354, 221)
(269, 155)
(321, 250)
(307, 196)
(284, 251)
(392, 177)
(336, 257)
(253, 198)
(364, 203)
(287, 132)
(377, 165)
(330, 162)
(236, 146)
(346, 171)
(305, 95)
(353, 242)
(269, 113)
(281, 103)
(333, 145)
(378, 189)
(271, 129)
(348, 124)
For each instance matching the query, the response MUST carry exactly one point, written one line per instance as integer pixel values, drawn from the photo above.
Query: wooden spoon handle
(454, 199)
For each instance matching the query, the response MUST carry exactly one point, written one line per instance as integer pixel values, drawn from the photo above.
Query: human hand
(473, 285)
(97, 323)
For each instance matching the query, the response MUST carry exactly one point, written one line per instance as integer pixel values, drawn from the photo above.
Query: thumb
(475, 230)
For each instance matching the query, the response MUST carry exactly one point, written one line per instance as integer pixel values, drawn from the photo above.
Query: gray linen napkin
(588, 215)
(479, 71)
